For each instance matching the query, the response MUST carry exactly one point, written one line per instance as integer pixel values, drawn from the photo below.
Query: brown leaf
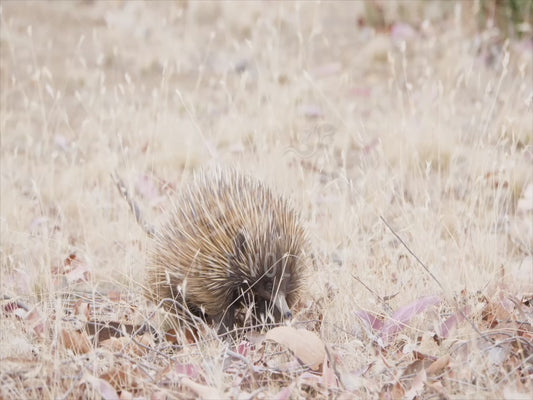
(123, 374)
(82, 310)
(305, 345)
(37, 322)
(417, 387)
(438, 365)
(76, 341)
(391, 391)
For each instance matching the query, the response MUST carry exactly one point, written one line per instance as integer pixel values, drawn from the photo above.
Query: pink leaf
(244, 348)
(371, 321)
(189, 370)
(403, 315)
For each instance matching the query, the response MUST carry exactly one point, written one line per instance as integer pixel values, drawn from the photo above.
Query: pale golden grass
(432, 130)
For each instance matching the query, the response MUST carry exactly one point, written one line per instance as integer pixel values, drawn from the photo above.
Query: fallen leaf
(37, 322)
(403, 315)
(190, 370)
(371, 321)
(244, 348)
(438, 365)
(76, 341)
(305, 345)
(417, 387)
(122, 374)
(391, 391)
(102, 387)
(449, 325)
(328, 375)
(82, 310)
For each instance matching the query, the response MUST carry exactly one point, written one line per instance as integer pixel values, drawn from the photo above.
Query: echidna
(229, 242)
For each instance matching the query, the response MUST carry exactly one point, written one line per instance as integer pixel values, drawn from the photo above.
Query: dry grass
(427, 124)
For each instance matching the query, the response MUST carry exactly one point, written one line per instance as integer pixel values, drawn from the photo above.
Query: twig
(383, 302)
(149, 229)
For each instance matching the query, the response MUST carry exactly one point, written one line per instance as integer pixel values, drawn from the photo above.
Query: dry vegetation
(419, 113)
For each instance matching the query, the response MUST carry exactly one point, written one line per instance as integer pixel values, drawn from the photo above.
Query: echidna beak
(281, 304)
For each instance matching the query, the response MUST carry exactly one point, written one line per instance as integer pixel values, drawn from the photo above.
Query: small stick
(149, 229)
(380, 299)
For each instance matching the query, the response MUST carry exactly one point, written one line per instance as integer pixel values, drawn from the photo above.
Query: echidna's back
(194, 260)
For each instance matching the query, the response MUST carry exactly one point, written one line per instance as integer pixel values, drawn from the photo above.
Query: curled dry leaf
(305, 345)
